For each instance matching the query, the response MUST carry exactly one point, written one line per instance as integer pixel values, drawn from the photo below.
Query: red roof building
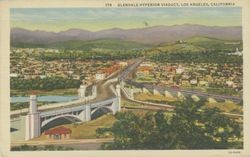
(58, 133)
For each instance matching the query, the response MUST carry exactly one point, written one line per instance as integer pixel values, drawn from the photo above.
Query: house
(76, 77)
(203, 83)
(179, 70)
(146, 64)
(110, 70)
(143, 71)
(58, 133)
(123, 64)
(13, 75)
(236, 53)
(230, 83)
(193, 81)
(100, 76)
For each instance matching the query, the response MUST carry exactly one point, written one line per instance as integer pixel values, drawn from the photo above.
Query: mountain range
(149, 35)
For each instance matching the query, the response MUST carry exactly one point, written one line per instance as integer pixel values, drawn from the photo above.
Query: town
(227, 76)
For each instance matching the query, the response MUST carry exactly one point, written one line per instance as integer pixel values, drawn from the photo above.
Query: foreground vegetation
(37, 148)
(50, 83)
(68, 91)
(203, 57)
(191, 127)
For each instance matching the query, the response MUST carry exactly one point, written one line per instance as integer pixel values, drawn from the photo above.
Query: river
(47, 98)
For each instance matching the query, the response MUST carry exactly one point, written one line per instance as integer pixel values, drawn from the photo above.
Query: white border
(4, 81)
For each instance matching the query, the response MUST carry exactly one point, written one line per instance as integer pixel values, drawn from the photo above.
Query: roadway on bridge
(104, 91)
(185, 92)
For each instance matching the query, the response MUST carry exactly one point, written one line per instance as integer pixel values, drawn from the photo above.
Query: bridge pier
(85, 115)
(122, 84)
(117, 106)
(211, 100)
(195, 98)
(94, 92)
(156, 92)
(145, 90)
(180, 96)
(228, 101)
(33, 127)
(168, 94)
(82, 91)
(132, 93)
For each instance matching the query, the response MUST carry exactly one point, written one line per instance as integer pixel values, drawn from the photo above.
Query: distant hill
(101, 44)
(149, 35)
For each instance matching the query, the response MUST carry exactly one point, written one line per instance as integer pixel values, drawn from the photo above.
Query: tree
(191, 126)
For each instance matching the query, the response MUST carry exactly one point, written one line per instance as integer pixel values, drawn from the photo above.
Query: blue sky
(94, 19)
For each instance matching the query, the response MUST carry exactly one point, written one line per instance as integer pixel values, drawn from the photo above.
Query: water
(48, 98)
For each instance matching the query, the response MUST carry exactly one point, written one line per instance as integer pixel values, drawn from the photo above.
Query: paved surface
(103, 92)
(77, 144)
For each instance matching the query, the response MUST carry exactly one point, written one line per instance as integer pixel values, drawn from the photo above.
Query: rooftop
(59, 130)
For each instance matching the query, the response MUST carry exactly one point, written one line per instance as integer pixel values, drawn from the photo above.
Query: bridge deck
(76, 108)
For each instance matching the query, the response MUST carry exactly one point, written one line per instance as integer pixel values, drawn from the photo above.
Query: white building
(123, 64)
(147, 64)
(13, 75)
(179, 70)
(230, 83)
(236, 53)
(193, 81)
(100, 76)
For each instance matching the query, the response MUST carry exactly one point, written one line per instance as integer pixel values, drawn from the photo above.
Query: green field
(198, 44)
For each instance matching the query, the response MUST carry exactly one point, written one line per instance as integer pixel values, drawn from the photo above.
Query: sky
(95, 19)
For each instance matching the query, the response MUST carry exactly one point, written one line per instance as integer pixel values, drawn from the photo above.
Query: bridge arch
(97, 112)
(65, 119)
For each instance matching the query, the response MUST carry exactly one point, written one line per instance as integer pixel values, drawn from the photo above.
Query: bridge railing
(75, 108)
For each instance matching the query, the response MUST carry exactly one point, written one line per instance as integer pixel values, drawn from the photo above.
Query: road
(124, 75)
(185, 92)
(104, 91)
(77, 144)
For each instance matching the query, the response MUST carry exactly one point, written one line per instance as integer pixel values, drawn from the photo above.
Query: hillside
(197, 49)
(146, 35)
(213, 43)
(196, 45)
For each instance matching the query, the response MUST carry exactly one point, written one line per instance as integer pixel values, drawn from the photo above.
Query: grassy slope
(88, 130)
(196, 45)
(212, 43)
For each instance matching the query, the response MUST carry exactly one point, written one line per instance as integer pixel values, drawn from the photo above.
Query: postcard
(127, 78)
